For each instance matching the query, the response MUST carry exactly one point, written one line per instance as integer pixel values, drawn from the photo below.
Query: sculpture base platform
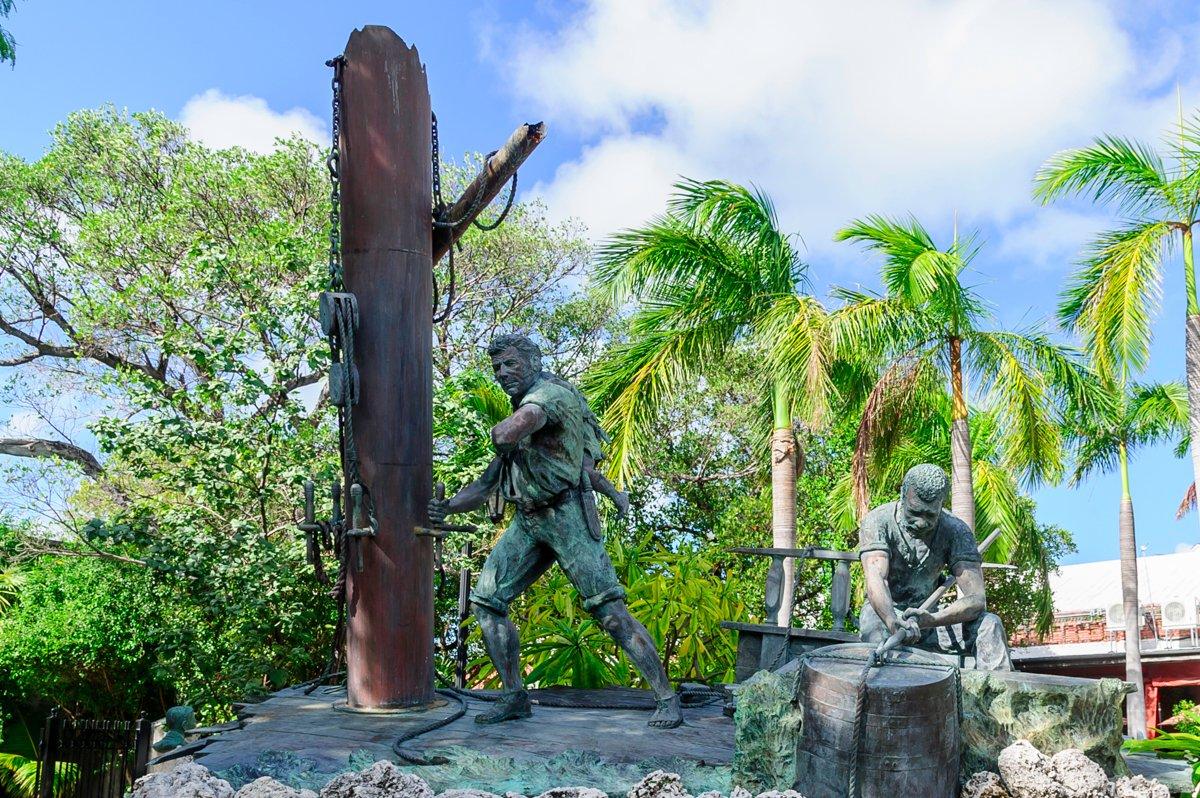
(298, 740)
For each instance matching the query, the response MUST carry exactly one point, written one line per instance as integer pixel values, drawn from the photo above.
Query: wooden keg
(908, 734)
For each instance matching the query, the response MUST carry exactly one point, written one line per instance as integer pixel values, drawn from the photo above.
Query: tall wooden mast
(386, 180)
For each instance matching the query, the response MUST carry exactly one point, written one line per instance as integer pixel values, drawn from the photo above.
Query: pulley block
(334, 307)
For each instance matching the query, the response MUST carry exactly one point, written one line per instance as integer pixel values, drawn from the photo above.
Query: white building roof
(1092, 586)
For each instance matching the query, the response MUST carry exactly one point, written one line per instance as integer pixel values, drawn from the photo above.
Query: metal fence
(91, 758)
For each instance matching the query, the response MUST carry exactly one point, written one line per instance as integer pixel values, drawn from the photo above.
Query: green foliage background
(158, 305)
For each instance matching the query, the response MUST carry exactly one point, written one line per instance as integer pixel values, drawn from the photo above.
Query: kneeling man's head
(922, 494)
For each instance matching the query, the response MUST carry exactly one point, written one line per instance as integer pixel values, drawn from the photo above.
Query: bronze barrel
(906, 738)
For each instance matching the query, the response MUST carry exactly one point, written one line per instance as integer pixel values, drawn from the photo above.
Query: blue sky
(836, 110)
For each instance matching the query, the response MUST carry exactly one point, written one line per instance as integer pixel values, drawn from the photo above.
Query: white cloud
(1049, 240)
(218, 120)
(836, 109)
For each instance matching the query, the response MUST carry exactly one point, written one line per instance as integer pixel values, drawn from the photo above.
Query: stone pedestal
(1052, 712)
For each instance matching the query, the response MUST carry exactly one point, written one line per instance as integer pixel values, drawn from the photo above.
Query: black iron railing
(91, 758)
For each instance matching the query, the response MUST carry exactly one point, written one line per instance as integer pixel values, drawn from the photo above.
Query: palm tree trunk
(783, 496)
(1135, 702)
(1192, 353)
(962, 488)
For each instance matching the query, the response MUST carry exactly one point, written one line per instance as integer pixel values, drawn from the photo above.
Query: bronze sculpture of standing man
(544, 467)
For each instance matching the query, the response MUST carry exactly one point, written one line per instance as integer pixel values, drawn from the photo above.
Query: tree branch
(40, 447)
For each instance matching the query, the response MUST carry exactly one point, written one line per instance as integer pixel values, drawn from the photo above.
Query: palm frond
(1160, 409)
(633, 380)
(1114, 170)
(1031, 382)
(746, 216)
(1110, 301)
(900, 392)
(1187, 503)
(668, 253)
(795, 334)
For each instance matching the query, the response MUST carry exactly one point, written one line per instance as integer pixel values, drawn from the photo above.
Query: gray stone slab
(307, 727)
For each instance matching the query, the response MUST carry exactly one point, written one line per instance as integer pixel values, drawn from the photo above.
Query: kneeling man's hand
(924, 618)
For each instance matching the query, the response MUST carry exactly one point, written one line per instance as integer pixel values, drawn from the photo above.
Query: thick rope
(417, 759)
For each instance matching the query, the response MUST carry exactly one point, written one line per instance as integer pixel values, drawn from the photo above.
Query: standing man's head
(922, 494)
(516, 363)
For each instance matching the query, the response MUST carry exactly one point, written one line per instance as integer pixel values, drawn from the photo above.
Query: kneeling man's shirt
(915, 566)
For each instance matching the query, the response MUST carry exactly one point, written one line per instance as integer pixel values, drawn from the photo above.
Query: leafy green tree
(1112, 298)
(81, 637)
(1104, 439)
(8, 45)
(157, 313)
(714, 271)
(928, 329)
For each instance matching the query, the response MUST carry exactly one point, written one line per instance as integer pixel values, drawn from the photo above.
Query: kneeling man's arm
(879, 593)
(969, 605)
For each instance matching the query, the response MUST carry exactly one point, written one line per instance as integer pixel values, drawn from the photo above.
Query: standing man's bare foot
(668, 715)
(511, 706)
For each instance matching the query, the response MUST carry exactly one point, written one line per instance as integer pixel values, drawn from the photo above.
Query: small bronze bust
(545, 466)
(906, 546)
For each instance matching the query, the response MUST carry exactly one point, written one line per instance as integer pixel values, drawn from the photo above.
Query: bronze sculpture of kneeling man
(905, 546)
(545, 467)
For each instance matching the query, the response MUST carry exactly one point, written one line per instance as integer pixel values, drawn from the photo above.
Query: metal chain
(441, 211)
(332, 163)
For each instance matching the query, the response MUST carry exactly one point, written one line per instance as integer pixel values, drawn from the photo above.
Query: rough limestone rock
(267, 787)
(766, 732)
(574, 792)
(188, 780)
(740, 792)
(1054, 713)
(985, 784)
(1078, 776)
(710, 794)
(1027, 772)
(381, 780)
(1139, 787)
(779, 794)
(659, 784)
(473, 794)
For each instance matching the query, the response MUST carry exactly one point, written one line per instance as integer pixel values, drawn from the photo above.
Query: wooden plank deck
(307, 728)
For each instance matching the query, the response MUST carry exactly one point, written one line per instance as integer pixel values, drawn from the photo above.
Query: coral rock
(267, 787)
(188, 780)
(740, 792)
(1140, 787)
(574, 792)
(381, 780)
(1078, 776)
(1027, 772)
(475, 794)
(779, 794)
(985, 784)
(659, 784)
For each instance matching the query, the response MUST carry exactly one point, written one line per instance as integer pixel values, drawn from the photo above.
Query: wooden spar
(387, 183)
(486, 186)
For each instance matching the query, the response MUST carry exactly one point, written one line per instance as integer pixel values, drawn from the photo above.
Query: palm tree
(1112, 298)
(712, 273)
(927, 330)
(1103, 438)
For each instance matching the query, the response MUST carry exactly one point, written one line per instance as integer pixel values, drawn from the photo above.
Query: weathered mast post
(386, 183)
